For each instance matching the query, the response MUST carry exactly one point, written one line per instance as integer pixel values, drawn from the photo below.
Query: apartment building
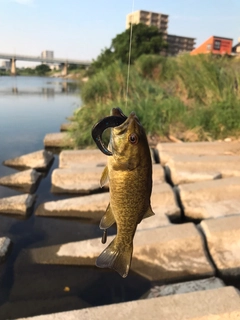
(176, 44)
(47, 54)
(215, 45)
(149, 18)
(6, 65)
(179, 44)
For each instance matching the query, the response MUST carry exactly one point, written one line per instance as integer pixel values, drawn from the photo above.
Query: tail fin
(116, 257)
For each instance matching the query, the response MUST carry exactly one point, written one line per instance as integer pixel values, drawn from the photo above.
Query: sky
(80, 29)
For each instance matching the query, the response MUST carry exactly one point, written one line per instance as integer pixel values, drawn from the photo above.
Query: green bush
(169, 95)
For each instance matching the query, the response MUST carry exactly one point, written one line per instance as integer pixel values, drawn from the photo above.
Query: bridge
(63, 61)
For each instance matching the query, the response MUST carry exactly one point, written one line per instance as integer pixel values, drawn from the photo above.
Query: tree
(145, 40)
(42, 69)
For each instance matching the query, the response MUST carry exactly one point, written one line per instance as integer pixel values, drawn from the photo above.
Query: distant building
(215, 45)
(236, 48)
(149, 18)
(47, 54)
(6, 65)
(179, 44)
(176, 44)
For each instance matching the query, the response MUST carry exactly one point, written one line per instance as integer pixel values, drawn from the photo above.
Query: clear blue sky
(81, 28)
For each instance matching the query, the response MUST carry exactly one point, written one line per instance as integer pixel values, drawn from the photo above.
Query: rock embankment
(39, 160)
(196, 185)
(221, 303)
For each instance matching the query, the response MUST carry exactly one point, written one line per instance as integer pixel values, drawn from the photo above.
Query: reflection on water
(30, 86)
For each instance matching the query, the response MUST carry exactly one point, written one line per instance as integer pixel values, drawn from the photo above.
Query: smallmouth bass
(129, 172)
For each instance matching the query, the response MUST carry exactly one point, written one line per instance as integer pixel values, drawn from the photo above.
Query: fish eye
(133, 138)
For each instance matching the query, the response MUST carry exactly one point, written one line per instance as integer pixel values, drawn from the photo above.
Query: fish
(129, 174)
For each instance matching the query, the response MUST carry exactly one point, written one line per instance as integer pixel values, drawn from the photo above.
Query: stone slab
(168, 150)
(86, 157)
(39, 160)
(221, 303)
(163, 200)
(17, 205)
(4, 246)
(180, 177)
(25, 180)
(92, 207)
(223, 240)
(167, 254)
(67, 126)
(228, 166)
(78, 158)
(58, 140)
(11, 308)
(86, 179)
(184, 287)
(81, 180)
(211, 199)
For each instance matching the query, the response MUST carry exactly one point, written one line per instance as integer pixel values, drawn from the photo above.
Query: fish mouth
(116, 119)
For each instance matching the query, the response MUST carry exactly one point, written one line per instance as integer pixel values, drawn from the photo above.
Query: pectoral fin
(104, 177)
(108, 219)
(148, 213)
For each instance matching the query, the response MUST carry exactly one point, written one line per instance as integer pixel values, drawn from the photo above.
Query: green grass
(176, 95)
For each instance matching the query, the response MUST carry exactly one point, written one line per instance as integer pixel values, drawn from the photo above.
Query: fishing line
(129, 55)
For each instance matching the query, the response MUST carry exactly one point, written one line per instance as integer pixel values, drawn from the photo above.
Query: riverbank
(192, 98)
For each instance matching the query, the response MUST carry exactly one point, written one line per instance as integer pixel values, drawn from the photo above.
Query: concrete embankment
(197, 182)
(221, 303)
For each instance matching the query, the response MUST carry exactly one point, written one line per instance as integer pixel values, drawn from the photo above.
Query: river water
(31, 107)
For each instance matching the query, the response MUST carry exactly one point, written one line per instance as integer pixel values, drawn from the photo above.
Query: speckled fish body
(129, 172)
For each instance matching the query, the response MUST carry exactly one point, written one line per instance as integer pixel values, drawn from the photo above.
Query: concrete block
(90, 207)
(169, 150)
(211, 199)
(184, 287)
(79, 158)
(221, 303)
(67, 126)
(4, 246)
(172, 253)
(11, 308)
(158, 174)
(82, 180)
(25, 180)
(180, 177)
(86, 179)
(39, 160)
(163, 200)
(159, 220)
(58, 140)
(227, 165)
(93, 207)
(223, 240)
(17, 205)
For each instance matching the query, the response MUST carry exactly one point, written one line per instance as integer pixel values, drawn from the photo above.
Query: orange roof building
(214, 45)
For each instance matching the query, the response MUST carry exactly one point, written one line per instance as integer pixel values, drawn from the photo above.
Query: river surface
(31, 107)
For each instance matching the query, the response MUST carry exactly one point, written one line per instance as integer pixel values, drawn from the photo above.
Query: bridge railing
(40, 59)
